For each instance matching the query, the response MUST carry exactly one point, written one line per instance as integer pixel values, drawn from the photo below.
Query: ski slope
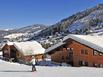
(19, 70)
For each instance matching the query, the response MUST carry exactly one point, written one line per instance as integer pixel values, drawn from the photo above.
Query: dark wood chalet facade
(78, 50)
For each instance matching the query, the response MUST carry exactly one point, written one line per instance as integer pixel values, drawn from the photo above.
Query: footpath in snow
(19, 70)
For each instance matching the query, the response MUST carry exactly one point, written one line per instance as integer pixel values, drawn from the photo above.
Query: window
(95, 64)
(83, 63)
(84, 51)
(67, 57)
(19, 55)
(101, 65)
(95, 52)
(86, 63)
(100, 54)
(70, 49)
(62, 59)
(64, 46)
(80, 63)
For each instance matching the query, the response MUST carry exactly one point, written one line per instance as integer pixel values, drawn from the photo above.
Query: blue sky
(19, 13)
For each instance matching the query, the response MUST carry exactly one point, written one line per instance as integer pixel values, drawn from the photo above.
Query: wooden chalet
(78, 50)
(23, 51)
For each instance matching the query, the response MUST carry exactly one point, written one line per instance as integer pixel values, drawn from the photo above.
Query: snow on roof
(1, 53)
(95, 42)
(1, 46)
(9, 43)
(54, 47)
(29, 47)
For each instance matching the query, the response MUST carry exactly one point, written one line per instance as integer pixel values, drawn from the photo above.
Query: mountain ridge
(62, 25)
(87, 22)
(27, 30)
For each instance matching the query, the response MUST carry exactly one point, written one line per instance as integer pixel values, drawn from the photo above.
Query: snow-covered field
(19, 70)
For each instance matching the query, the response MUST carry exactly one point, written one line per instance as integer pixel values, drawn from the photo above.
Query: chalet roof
(2, 45)
(95, 42)
(29, 47)
(1, 53)
(54, 47)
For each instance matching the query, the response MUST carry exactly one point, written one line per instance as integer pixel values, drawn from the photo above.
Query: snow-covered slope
(22, 34)
(19, 70)
(14, 35)
(90, 23)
